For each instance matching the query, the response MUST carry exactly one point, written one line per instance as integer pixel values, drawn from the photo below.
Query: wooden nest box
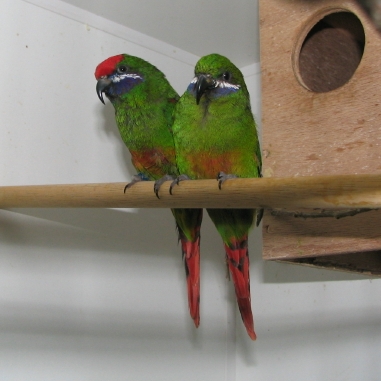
(321, 115)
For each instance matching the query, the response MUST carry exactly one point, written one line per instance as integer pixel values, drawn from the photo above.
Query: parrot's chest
(154, 163)
(207, 164)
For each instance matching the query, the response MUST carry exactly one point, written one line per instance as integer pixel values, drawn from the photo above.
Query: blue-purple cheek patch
(222, 88)
(124, 83)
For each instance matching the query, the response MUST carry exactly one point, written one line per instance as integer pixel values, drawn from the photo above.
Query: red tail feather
(191, 254)
(238, 262)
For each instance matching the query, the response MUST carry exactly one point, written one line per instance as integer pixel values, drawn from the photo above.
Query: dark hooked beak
(102, 85)
(204, 82)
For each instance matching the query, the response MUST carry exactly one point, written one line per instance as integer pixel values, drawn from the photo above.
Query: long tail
(189, 234)
(191, 256)
(238, 262)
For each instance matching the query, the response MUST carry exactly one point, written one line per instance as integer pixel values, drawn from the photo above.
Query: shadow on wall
(95, 229)
(113, 230)
(83, 324)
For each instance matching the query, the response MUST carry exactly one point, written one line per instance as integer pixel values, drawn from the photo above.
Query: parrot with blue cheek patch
(215, 134)
(144, 102)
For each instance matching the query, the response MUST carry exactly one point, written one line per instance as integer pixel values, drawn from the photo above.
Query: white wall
(100, 294)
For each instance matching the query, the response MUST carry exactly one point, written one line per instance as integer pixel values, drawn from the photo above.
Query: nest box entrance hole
(329, 51)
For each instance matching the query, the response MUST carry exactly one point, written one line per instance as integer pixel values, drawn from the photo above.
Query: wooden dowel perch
(346, 191)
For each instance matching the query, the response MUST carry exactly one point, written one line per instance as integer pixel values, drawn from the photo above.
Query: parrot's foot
(160, 182)
(222, 177)
(136, 179)
(177, 180)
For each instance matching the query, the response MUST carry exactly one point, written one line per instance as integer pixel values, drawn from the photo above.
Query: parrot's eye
(122, 69)
(226, 76)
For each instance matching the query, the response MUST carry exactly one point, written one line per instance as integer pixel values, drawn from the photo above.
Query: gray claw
(135, 179)
(222, 177)
(160, 182)
(176, 181)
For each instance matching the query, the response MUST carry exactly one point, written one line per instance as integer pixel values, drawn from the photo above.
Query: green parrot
(215, 134)
(144, 102)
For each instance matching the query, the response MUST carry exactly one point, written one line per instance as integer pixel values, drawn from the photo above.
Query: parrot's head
(216, 76)
(118, 75)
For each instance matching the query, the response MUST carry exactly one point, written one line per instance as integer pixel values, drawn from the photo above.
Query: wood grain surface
(312, 133)
(328, 192)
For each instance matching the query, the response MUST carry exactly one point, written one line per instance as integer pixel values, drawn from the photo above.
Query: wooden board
(321, 131)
